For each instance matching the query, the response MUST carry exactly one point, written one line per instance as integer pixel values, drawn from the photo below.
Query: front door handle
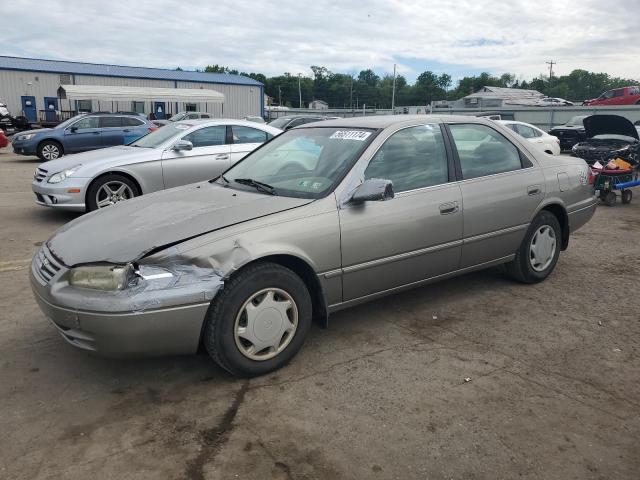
(222, 156)
(448, 208)
(534, 190)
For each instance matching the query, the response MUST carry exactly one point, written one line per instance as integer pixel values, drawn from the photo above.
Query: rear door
(111, 127)
(85, 134)
(501, 189)
(208, 158)
(417, 234)
(244, 140)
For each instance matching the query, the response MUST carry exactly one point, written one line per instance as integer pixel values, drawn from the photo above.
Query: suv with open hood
(605, 135)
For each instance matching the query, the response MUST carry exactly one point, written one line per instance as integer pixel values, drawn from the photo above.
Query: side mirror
(183, 145)
(73, 129)
(373, 190)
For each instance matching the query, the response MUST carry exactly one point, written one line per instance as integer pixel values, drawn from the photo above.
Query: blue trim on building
(104, 70)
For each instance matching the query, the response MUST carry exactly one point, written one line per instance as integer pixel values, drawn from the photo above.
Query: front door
(245, 140)
(501, 190)
(112, 130)
(159, 108)
(51, 109)
(414, 236)
(29, 108)
(208, 158)
(85, 134)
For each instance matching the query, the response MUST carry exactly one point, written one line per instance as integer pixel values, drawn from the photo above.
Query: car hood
(609, 124)
(37, 130)
(119, 155)
(130, 230)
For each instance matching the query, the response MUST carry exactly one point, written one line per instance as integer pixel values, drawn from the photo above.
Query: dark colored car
(617, 96)
(290, 121)
(82, 133)
(570, 133)
(605, 135)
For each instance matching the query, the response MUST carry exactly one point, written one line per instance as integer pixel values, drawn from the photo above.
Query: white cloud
(288, 36)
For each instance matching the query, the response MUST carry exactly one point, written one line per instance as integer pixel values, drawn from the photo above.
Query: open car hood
(130, 230)
(609, 124)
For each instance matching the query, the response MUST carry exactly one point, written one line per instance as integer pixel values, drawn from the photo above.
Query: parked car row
(322, 217)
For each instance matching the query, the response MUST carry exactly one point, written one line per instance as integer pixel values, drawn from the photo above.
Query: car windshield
(280, 122)
(177, 117)
(68, 122)
(302, 163)
(577, 121)
(159, 137)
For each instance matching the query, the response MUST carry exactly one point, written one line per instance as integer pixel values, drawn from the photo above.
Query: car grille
(46, 264)
(40, 174)
(593, 156)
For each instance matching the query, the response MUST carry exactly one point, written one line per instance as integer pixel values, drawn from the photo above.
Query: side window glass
(205, 115)
(248, 135)
(296, 122)
(618, 93)
(526, 132)
(483, 151)
(412, 158)
(207, 136)
(87, 122)
(131, 122)
(110, 122)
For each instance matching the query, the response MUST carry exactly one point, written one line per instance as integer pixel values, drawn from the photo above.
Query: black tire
(610, 199)
(627, 195)
(97, 184)
(520, 268)
(49, 150)
(219, 337)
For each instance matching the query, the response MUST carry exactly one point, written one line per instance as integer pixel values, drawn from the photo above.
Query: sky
(462, 37)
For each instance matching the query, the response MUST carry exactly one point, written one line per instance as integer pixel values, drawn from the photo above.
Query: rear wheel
(627, 195)
(49, 150)
(259, 320)
(538, 254)
(109, 190)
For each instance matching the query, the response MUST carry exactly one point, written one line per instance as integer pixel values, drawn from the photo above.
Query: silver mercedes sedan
(320, 218)
(177, 154)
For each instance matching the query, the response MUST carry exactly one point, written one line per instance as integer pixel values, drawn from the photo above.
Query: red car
(617, 96)
(4, 141)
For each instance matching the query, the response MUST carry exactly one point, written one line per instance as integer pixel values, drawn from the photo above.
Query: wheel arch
(50, 139)
(560, 213)
(112, 172)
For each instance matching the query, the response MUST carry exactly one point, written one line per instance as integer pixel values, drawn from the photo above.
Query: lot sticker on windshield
(358, 135)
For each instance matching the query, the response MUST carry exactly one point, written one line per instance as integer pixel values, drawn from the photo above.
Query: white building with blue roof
(30, 87)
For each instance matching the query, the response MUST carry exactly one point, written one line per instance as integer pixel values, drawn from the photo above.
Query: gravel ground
(553, 371)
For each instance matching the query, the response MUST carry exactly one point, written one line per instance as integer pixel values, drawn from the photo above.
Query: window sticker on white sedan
(358, 135)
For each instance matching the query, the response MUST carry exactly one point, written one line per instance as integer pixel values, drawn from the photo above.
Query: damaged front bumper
(162, 314)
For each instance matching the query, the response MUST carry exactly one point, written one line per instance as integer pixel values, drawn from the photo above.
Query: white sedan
(547, 143)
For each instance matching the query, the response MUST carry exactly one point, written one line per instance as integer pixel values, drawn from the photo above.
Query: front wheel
(259, 321)
(627, 195)
(538, 254)
(109, 190)
(49, 150)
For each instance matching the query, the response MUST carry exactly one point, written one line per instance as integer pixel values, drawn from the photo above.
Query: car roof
(385, 121)
(226, 121)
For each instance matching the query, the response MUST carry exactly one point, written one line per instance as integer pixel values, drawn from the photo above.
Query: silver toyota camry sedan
(320, 218)
(177, 154)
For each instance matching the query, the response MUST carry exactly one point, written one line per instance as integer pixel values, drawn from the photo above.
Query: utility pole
(351, 93)
(279, 96)
(299, 90)
(393, 92)
(551, 63)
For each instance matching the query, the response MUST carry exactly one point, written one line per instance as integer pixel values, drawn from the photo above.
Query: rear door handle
(222, 156)
(534, 190)
(448, 208)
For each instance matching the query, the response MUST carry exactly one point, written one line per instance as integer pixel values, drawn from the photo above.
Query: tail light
(592, 176)
(152, 129)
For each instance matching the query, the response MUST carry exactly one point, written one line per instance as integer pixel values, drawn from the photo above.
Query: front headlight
(60, 176)
(102, 277)
(26, 136)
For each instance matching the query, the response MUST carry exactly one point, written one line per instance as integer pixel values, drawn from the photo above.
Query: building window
(83, 105)
(191, 107)
(137, 107)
